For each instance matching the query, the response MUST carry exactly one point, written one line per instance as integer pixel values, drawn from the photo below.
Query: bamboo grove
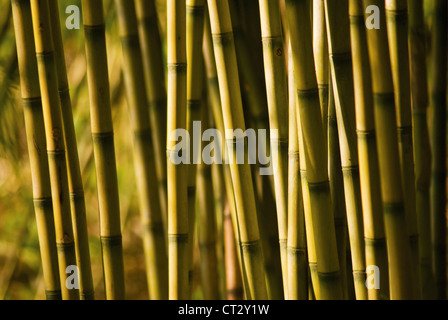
(325, 122)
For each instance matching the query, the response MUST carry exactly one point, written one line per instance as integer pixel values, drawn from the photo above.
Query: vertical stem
(144, 159)
(195, 33)
(297, 238)
(178, 224)
(207, 228)
(103, 146)
(422, 148)
(309, 111)
(224, 48)
(397, 240)
(35, 132)
(75, 184)
(154, 70)
(374, 234)
(338, 26)
(397, 27)
(54, 130)
(276, 88)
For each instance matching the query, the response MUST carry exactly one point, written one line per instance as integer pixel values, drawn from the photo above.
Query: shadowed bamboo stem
(35, 132)
(103, 146)
(397, 27)
(206, 227)
(153, 64)
(276, 88)
(438, 100)
(321, 58)
(399, 255)
(178, 224)
(54, 130)
(422, 148)
(75, 183)
(309, 112)
(145, 167)
(374, 236)
(195, 32)
(338, 26)
(337, 191)
(215, 102)
(298, 269)
(224, 49)
(257, 117)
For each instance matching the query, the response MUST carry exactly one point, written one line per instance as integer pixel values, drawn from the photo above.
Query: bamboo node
(111, 241)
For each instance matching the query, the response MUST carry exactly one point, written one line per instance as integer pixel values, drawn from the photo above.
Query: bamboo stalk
(438, 100)
(55, 140)
(298, 20)
(397, 27)
(298, 269)
(276, 88)
(206, 227)
(145, 167)
(342, 79)
(195, 33)
(257, 117)
(374, 234)
(35, 132)
(224, 49)
(401, 283)
(75, 184)
(178, 224)
(103, 146)
(337, 191)
(321, 58)
(422, 148)
(153, 66)
(215, 102)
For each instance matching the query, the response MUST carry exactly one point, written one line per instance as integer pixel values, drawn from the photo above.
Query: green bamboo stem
(195, 33)
(145, 167)
(224, 48)
(299, 24)
(276, 88)
(313, 287)
(401, 282)
(298, 269)
(257, 117)
(215, 103)
(75, 183)
(397, 27)
(338, 27)
(337, 190)
(422, 148)
(206, 226)
(103, 146)
(178, 224)
(438, 100)
(219, 202)
(55, 140)
(35, 133)
(374, 234)
(153, 66)
(321, 58)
